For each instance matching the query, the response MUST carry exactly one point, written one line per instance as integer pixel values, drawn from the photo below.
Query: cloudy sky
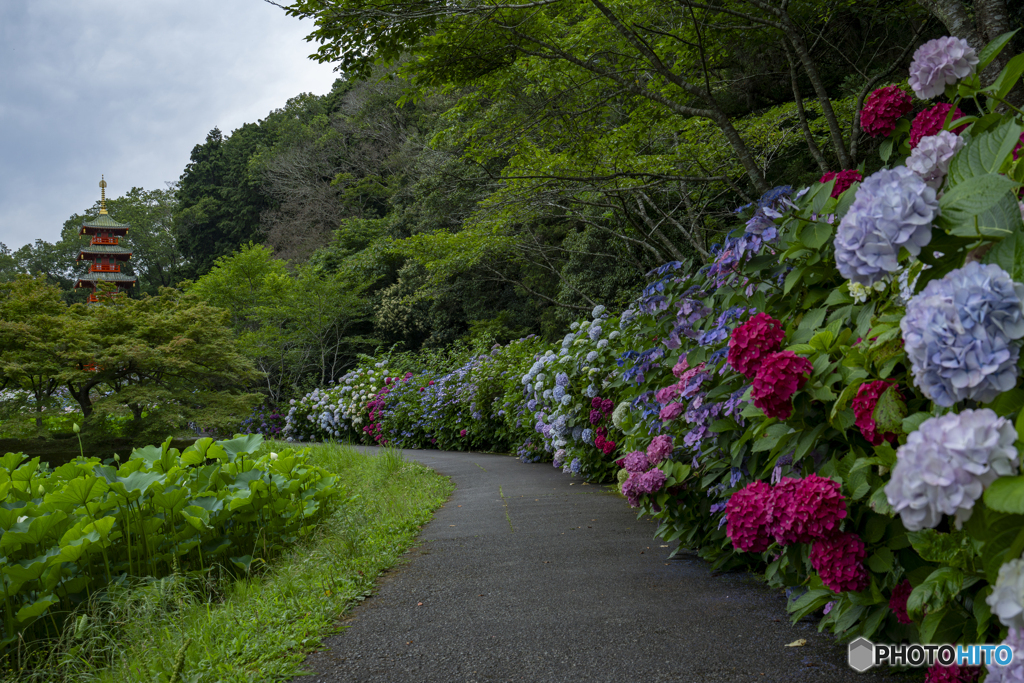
(127, 89)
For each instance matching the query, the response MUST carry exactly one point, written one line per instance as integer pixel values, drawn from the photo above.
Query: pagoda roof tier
(110, 251)
(90, 279)
(104, 223)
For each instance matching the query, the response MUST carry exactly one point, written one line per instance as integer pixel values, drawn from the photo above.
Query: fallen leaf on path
(797, 643)
(419, 604)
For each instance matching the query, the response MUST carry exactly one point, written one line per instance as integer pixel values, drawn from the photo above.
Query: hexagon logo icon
(861, 655)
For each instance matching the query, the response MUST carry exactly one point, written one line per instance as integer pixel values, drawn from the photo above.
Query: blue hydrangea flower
(960, 334)
(592, 356)
(565, 400)
(893, 208)
(558, 393)
(576, 466)
(577, 432)
(604, 342)
(547, 394)
(562, 380)
(594, 333)
(531, 404)
(590, 391)
(587, 435)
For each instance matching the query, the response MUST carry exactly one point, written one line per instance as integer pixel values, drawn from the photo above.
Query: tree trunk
(81, 395)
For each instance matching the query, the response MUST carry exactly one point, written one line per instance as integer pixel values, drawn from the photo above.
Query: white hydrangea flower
(930, 159)
(946, 464)
(1007, 598)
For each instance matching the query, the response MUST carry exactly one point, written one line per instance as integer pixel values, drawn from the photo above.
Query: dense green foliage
(255, 624)
(69, 532)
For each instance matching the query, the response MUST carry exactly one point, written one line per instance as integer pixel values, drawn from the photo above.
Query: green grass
(257, 628)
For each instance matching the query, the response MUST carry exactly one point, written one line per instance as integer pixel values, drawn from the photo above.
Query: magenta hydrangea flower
(752, 341)
(844, 179)
(635, 462)
(671, 412)
(780, 376)
(747, 515)
(931, 121)
(883, 108)
(952, 674)
(864, 408)
(659, 448)
(839, 561)
(898, 601)
(805, 510)
(939, 63)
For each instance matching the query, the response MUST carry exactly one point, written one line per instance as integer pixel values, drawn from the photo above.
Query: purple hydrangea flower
(959, 334)
(939, 63)
(594, 333)
(576, 466)
(1007, 598)
(930, 159)
(558, 392)
(893, 208)
(592, 356)
(947, 463)
(1014, 671)
(587, 435)
(561, 380)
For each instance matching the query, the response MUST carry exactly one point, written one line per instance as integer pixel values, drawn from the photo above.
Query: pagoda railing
(104, 268)
(105, 240)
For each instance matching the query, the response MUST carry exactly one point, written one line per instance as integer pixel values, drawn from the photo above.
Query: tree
(31, 343)
(306, 325)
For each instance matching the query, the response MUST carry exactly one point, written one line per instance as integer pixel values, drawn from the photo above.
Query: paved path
(527, 574)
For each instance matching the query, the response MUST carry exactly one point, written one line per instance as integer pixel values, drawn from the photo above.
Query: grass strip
(257, 628)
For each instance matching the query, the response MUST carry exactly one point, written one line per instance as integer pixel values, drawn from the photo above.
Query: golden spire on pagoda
(103, 195)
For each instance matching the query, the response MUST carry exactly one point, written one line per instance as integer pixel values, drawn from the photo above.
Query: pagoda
(103, 252)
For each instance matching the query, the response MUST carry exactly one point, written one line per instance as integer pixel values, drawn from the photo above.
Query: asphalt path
(527, 574)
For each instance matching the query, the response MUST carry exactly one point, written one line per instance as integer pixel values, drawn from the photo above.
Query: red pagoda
(103, 252)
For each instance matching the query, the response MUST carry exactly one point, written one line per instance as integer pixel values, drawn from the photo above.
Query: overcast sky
(127, 89)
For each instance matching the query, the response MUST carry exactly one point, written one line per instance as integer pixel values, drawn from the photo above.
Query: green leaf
(911, 423)
(973, 195)
(1008, 77)
(36, 609)
(955, 549)
(992, 50)
(885, 149)
(935, 592)
(249, 443)
(881, 560)
(1006, 494)
(1008, 254)
(889, 411)
(985, 153)
(79, 491)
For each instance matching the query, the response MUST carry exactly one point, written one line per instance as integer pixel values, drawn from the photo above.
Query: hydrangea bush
(834, 401)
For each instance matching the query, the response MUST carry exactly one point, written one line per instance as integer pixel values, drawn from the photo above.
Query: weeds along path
(529, 575)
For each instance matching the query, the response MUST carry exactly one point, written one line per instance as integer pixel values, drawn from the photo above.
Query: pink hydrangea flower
(931, 121)
(747, 515)
(671, 412)
(752, 341)
(844, 179)
(839, 561)
(635, 462)
(659, 448)
(682, 366)
(883, 108)
(667, 394)
(898, 601)
(779, 377)
(805, 510)
(642, 484)
(1016, 150)
(864, 407)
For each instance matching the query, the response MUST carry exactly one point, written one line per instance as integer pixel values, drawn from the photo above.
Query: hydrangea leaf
(955, 548)
(1006, 494)
(1009, 255)
(984, 154)
(935, 592)
(889, 412)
